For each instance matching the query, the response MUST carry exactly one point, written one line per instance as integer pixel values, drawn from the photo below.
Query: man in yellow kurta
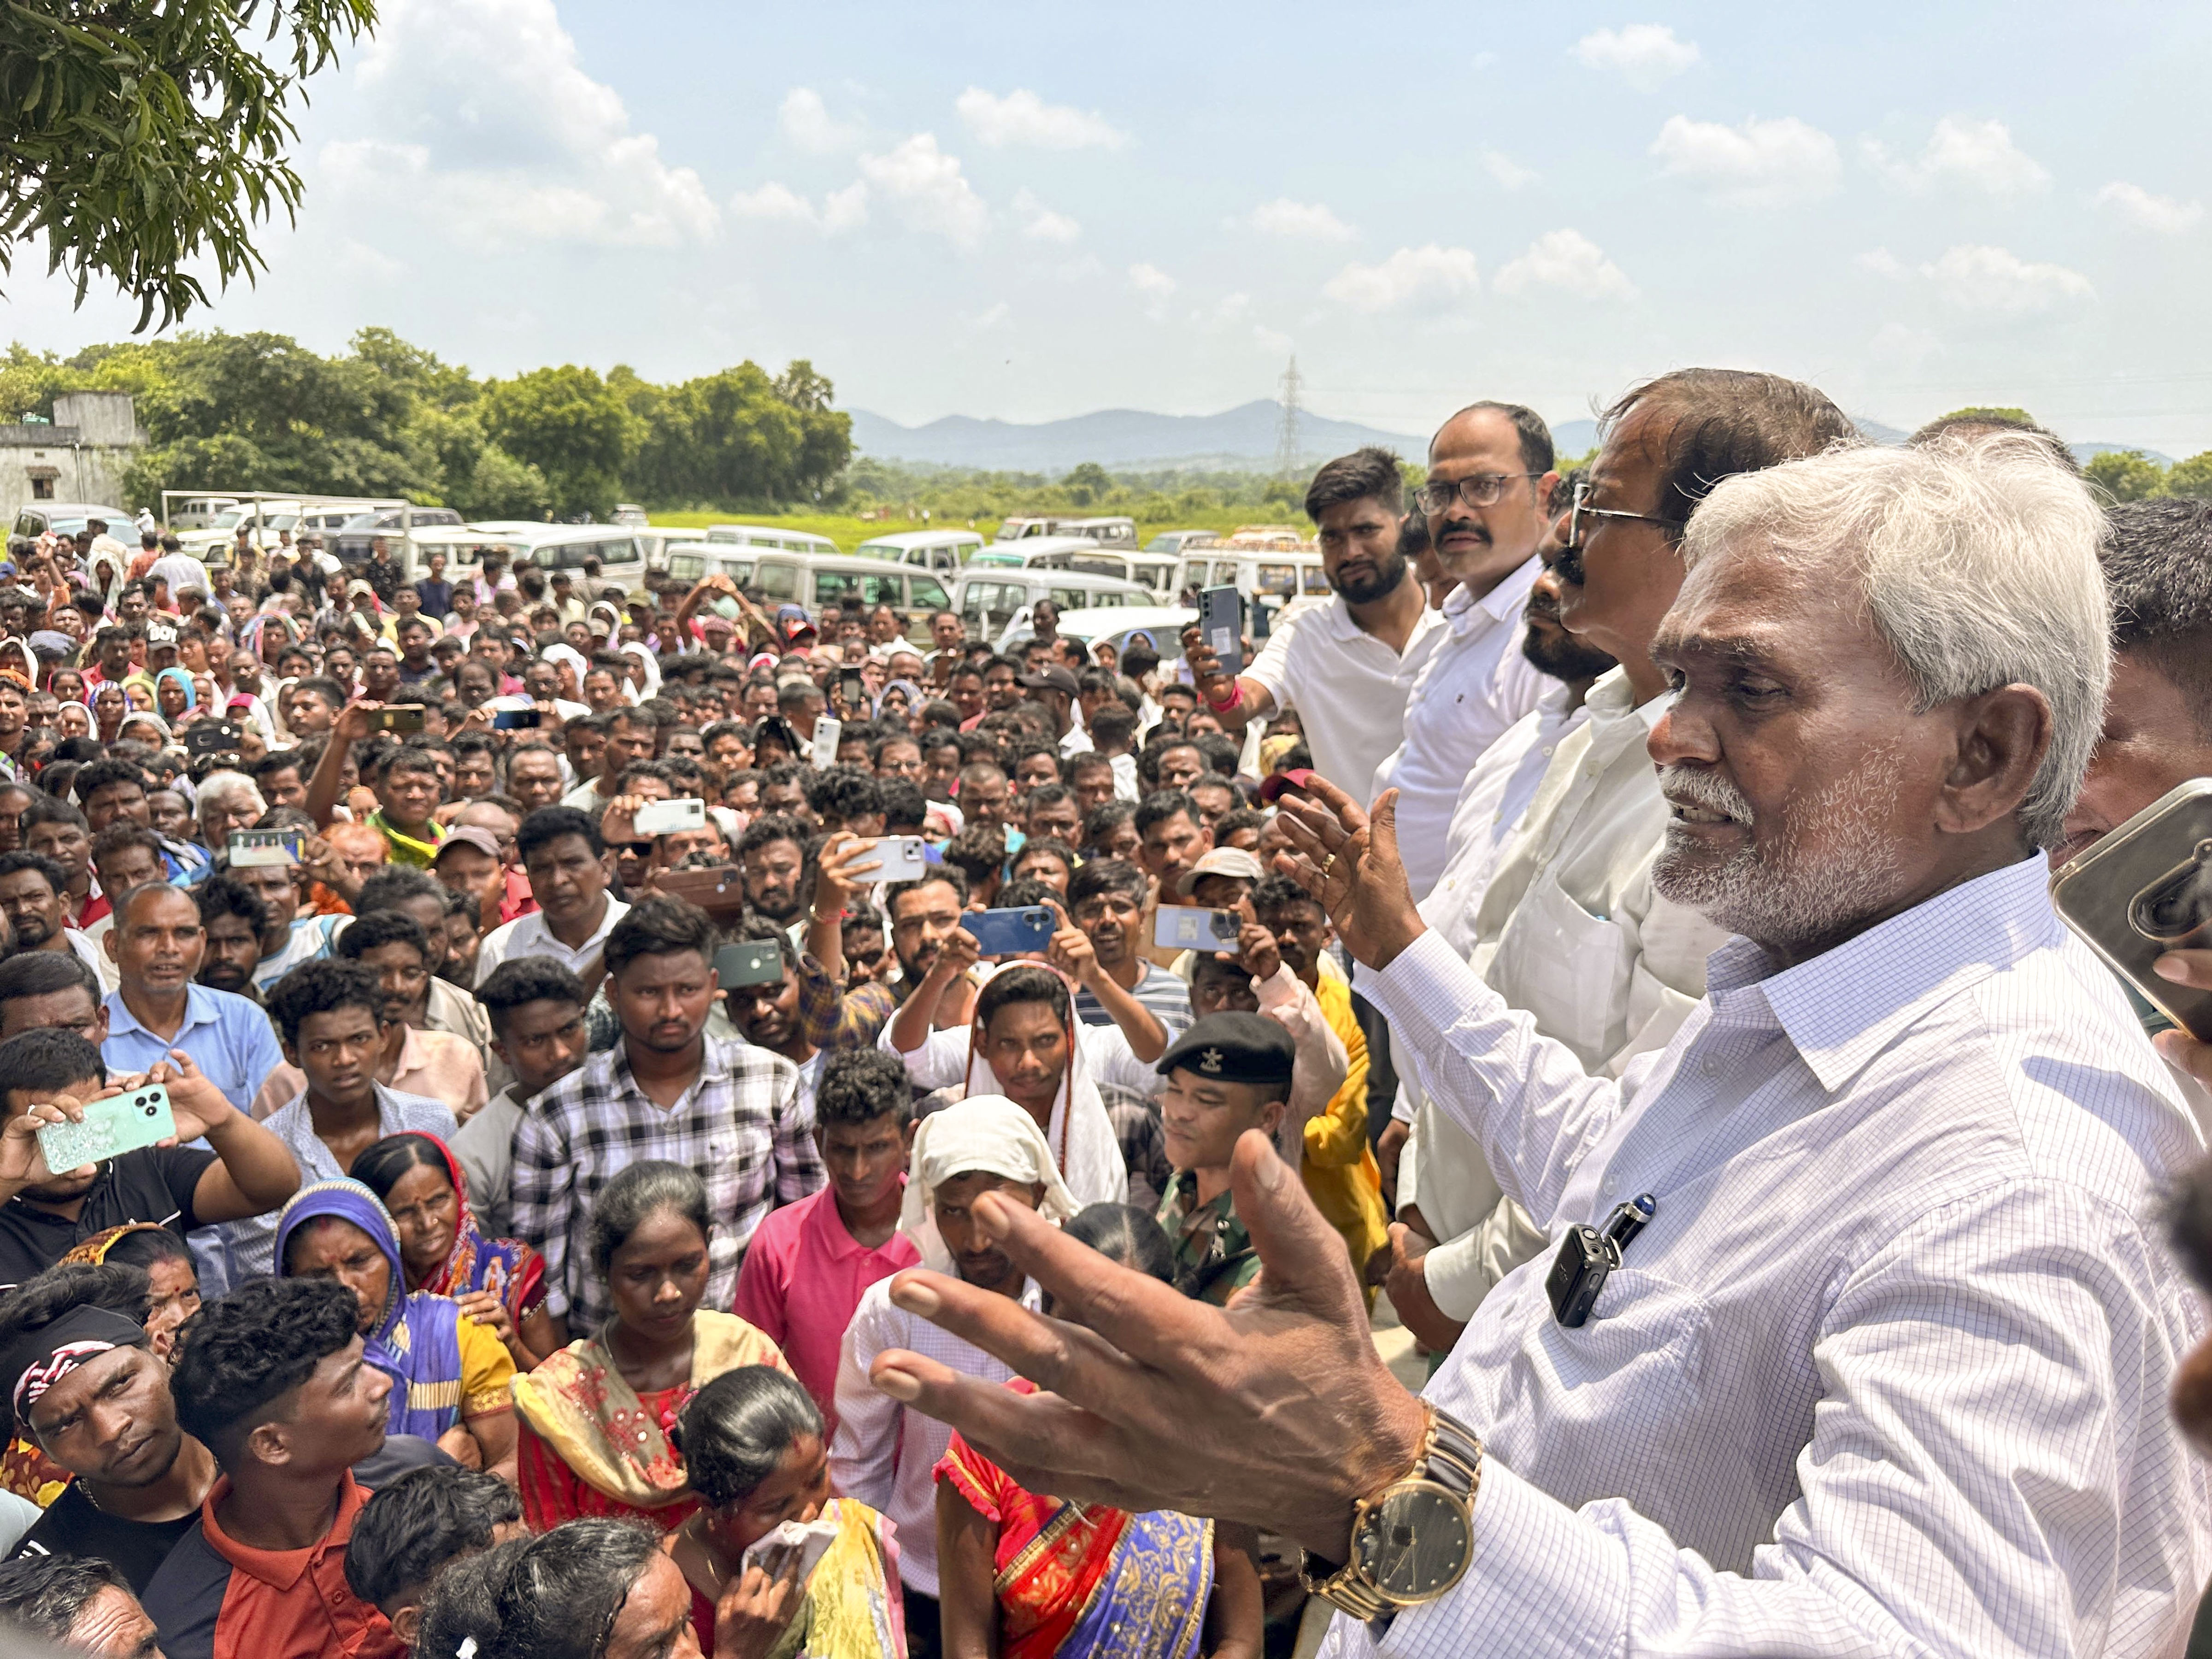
(1340, 1170)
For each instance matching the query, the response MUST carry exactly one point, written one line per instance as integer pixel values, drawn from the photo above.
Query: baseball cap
(468, 835)
(1051, 678)
(1233, 861)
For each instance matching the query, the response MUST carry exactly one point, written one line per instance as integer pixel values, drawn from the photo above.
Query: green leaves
(138, 136)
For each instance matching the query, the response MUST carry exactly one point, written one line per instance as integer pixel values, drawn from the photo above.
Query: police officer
(1228, 1073)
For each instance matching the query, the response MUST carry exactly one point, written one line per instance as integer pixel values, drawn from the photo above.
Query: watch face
(1415, 1543)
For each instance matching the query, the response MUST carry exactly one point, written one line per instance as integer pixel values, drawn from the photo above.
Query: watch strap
(1451, 1457)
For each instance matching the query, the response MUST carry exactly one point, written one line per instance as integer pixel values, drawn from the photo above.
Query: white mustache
(1690, 786)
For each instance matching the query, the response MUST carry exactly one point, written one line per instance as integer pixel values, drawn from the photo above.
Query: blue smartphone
(1010, 933)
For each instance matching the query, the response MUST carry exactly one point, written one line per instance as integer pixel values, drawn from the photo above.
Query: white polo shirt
(1349, 688)
(530, 936)
(1476, 685)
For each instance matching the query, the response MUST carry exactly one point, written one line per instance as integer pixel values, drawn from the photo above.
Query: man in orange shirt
(273, 1379)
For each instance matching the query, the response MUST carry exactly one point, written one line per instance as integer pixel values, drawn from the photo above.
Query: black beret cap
(1233, 1049)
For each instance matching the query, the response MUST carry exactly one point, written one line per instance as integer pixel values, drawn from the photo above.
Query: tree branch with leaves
(138, 137)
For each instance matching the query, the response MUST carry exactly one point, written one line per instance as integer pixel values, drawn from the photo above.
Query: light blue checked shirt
(1887, 1372)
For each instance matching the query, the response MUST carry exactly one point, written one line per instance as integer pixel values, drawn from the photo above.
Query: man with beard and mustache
(1487, 504)
(1563, 922)
(1346, 666)
(1899, 1329)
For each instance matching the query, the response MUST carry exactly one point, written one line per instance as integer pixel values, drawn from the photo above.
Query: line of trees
(261, 411)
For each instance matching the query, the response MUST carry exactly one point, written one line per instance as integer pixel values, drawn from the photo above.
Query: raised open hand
(1348, 860)
(1276, 1411)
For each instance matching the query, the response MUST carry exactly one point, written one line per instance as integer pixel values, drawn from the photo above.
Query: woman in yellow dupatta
(753, 1441)
(594, 1419)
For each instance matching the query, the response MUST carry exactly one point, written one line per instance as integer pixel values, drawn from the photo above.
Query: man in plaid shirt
(667, 1090)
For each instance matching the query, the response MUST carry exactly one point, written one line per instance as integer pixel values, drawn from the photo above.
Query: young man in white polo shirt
(1347, 666)
(567, 863)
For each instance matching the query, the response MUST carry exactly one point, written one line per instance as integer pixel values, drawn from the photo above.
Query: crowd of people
(625, 1201)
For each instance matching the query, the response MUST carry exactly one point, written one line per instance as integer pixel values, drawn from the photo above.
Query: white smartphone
(665, 818)
(822, 752)
(900, 858)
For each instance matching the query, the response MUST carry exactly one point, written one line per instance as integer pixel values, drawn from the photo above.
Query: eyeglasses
(1483, 490)
(1582, 509)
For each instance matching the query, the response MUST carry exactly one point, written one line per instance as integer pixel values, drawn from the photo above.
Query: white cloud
(1880, 262)
(491, 131)
(1642, 54)
(1967, 154)
(1022, 118)
(804, 120)
(1155, 285)
(1570, 262)
(925, 189)
(774, 204)
(1504, 171)
(1309, 221)
(1898, 346)
(984, 322)
(1999, 283)
(778, 204)
(1042, 223)
(1759, 164)
(2161, 214)
(1426, 279)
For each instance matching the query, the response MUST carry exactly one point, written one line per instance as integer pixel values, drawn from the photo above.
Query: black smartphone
(850, 688)
(514, 720)
(2144, 889)
(405, 717)
(211, 737)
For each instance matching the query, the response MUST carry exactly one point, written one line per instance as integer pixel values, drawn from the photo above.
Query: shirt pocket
(1567, 968)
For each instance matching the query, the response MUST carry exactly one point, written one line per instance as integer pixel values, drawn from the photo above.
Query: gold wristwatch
(1412, 1541)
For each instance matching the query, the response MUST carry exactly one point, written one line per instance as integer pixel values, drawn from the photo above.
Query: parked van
(1262, 575)
(1161, 625)
(773, 577)
(1045, 551)
(758, 535)
(1174, 542)
(988, 599)
(1155, 571)
(942, 550)
(1114, 531)
(550, 547)
(198, 511)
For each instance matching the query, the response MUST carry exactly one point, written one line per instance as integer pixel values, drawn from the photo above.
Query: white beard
(1785, 896)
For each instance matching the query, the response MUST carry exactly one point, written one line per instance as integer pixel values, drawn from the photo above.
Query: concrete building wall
(81, 457)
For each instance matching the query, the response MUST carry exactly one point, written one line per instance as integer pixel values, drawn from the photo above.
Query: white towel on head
(984, 1132)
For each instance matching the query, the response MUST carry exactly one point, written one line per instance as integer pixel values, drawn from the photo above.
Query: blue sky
(1032, 211)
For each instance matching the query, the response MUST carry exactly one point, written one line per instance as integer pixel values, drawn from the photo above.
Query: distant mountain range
(1236, 439)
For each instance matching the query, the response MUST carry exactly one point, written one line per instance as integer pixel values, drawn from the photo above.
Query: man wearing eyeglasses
(1346, 666)
(1568, 929)
(1488, 500)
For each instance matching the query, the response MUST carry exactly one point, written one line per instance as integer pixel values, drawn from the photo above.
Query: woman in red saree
(1023, 1576)
(595, 1418)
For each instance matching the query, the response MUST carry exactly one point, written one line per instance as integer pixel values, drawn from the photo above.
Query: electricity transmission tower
(1286, 427)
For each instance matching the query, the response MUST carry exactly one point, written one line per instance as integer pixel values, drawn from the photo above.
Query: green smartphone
(748, 962)
(120, 1123)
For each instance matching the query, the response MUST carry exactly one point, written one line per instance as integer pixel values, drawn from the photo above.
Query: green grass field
(849, 532)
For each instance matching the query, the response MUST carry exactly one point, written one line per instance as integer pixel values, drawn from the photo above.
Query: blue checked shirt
(742, 1126)
(1887, 1372)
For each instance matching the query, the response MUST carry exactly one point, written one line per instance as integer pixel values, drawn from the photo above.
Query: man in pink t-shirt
(809, 1262)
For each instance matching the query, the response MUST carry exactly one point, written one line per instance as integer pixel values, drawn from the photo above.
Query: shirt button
(1710, 1066)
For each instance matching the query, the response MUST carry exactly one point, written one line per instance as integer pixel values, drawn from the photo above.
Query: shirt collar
(280, 1570)
(1503, 603)
(1846, 1006)
(200, 1009)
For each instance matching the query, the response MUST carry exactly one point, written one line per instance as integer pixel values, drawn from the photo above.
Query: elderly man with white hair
(227, 801)
(1856, 1331)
